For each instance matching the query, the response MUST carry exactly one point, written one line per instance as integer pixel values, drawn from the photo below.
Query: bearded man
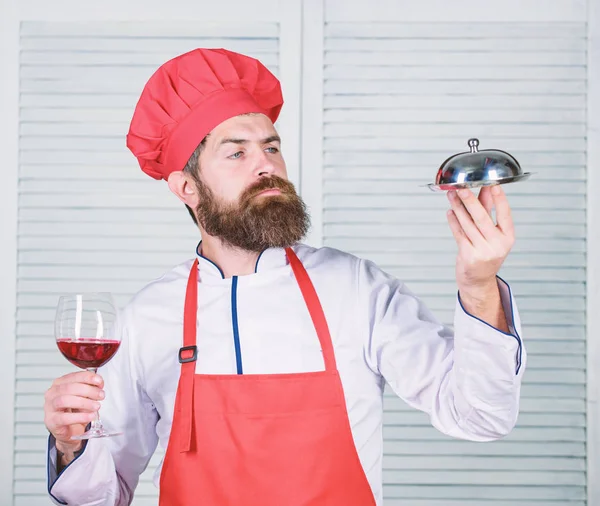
(259, 365)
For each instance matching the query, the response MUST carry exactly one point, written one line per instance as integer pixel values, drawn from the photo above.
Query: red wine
(87, 353)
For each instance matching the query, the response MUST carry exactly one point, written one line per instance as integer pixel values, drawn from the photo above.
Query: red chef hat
(189, 96)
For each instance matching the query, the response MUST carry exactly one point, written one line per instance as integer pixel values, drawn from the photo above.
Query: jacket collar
(269, 259)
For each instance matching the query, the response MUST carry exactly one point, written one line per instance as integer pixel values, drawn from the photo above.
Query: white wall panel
(400, 95)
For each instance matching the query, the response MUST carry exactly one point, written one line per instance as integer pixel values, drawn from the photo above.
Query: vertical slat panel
(9, 145)
(399, 98)
(89, 219)
(593, 279)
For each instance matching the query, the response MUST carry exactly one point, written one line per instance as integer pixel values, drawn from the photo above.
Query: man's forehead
(254, 124)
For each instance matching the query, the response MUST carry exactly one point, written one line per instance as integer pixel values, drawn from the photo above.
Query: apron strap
(314, 308)
(187, 357)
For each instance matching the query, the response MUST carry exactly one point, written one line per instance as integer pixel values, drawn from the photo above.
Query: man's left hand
(482, 244)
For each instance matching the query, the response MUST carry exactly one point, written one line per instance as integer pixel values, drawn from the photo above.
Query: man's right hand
(70, 404)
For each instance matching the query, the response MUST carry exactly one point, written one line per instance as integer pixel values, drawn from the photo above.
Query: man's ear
(183, 187)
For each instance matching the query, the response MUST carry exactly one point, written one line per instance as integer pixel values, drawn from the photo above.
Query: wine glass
(87, 333)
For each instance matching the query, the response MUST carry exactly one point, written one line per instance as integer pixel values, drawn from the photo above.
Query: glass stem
(96, 423)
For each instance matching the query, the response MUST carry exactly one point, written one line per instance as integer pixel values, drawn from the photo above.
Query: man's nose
(264, 165)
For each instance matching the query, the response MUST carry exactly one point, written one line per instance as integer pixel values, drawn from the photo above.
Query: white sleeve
(107, 471)
(468, 381)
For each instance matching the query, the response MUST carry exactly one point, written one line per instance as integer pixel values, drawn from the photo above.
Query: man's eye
(272, 150)
(236, 155)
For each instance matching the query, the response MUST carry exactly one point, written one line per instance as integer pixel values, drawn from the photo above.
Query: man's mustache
(267, 183)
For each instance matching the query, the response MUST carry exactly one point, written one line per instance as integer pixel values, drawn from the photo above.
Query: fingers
(457, 231)
(57, 421)
(463, 216)
(77, 389)
(486, 199)
(70, 402)
(478, 214)
(503, 213)
(73, 396)
(60, 416)
(80, 377)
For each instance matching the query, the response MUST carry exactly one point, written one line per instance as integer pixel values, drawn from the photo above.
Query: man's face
(245, 198)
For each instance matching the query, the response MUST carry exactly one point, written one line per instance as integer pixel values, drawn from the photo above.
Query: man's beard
(255, 223)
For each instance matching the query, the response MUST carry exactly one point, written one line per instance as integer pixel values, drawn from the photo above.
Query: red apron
(261, 439)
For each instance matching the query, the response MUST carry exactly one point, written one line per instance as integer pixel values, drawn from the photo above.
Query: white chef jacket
(468, 381)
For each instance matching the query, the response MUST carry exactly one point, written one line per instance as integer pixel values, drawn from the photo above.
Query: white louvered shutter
(89, 219)
(399, 98)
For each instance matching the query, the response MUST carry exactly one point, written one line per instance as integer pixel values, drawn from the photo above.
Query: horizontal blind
(89, 219)
(399, 98)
